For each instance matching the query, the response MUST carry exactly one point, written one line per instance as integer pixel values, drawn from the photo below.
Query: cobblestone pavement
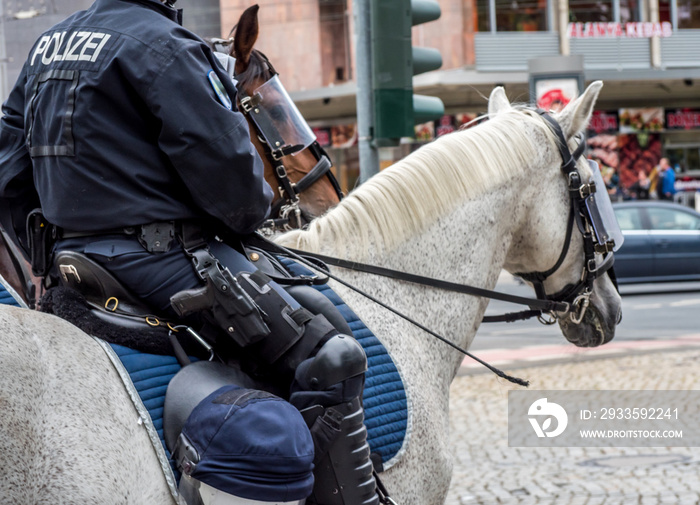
(487, 471)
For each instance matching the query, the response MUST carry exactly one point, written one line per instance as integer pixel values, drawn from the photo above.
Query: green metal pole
(369, 156)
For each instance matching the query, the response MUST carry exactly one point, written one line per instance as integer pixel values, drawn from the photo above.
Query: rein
(573, 300)
(538, 306)
(292, 253)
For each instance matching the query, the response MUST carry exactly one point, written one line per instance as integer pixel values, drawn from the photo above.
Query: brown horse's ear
(246, 35)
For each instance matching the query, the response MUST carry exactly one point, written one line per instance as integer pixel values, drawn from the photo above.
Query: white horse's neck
(468, 246)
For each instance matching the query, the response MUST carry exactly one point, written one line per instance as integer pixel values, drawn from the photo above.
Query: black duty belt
(155, 237)
(127, 230)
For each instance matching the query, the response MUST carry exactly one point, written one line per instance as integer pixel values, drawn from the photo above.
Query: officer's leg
(271, 340)
(327, 387)
(328, 391)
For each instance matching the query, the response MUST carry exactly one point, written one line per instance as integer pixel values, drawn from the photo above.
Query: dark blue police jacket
(116, 120)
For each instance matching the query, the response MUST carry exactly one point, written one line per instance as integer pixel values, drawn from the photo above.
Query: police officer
(123, 128)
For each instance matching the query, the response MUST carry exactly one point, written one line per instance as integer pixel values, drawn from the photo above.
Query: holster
(223, 297)
(42, 237)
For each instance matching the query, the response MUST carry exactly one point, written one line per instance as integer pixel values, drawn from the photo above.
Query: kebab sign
(640, 30)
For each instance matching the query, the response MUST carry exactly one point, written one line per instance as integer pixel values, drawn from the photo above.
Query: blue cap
(251, 444)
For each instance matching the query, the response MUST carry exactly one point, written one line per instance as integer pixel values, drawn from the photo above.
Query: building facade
(644, 50)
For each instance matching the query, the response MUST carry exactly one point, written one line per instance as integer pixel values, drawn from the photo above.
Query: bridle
(287, 208)
(596, 237)
(288, 204)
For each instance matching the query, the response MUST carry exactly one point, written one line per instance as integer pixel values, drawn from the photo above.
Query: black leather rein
(538, 307)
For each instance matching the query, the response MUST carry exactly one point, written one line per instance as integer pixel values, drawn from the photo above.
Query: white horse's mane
(425, 185)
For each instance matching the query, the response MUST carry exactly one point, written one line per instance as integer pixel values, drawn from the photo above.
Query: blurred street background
(657, 347)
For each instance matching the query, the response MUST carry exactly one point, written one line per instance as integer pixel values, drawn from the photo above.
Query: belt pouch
(42, 236)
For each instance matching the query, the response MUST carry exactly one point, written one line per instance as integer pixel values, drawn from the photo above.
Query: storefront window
(483, 22)
(587, 11)
(688, 14)
(665, 11)
(521, 15)
(629, 11)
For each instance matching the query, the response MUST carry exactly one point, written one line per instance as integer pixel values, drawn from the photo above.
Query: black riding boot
(328, 392)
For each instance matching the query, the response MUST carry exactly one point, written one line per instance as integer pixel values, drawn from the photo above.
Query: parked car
(662, 242)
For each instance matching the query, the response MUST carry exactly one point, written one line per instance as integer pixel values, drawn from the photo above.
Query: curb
(545, 355)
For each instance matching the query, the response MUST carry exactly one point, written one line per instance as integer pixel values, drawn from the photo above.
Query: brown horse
(308, 172)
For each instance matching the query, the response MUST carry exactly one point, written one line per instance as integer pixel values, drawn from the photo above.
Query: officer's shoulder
(162, 36)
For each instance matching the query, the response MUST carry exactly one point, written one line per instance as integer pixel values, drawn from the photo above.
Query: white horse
(461, 209)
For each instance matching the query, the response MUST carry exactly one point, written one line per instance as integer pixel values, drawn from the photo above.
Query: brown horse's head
(253, 69)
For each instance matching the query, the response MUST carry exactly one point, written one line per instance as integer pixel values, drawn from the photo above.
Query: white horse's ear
(498, 102)
(576, 115)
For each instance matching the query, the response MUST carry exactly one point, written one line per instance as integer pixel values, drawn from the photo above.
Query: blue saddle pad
(6, 298)
(151, 374)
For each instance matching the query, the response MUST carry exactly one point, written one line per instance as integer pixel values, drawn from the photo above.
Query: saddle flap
(97, 285)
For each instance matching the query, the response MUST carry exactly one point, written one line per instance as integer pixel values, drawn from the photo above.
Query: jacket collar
(156, 5)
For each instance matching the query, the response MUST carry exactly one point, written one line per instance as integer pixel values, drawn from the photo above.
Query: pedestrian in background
(667, 180)
(654, 182)
(641, 187)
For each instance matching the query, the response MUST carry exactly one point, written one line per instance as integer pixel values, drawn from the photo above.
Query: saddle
(110, 300)
(110, 303)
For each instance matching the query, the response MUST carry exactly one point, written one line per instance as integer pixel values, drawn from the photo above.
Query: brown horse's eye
(278, 113)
